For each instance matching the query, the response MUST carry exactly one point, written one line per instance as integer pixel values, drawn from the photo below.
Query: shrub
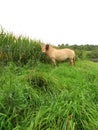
(79, 54)
(92, 54)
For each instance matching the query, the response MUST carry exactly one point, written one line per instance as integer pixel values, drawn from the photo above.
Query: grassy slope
(49, 98)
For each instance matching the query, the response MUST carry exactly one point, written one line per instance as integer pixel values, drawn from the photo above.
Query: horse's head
(45, 48)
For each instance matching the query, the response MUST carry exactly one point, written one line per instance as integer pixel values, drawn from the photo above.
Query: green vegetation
(20, 50)
(48, 98)
(37, 96)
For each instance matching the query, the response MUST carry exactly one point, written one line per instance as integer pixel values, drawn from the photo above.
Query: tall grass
(18, 49)
(45, 98)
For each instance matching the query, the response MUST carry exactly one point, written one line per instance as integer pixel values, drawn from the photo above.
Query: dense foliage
(18, 49)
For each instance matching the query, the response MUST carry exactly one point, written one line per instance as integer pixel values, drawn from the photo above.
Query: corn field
(18, 49)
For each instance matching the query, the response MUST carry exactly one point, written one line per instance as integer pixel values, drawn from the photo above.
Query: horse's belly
(61, 58)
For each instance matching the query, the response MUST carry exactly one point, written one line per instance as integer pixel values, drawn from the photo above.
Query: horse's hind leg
(74, 60)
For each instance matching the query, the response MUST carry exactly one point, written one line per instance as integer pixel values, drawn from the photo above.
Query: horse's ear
(47, 47)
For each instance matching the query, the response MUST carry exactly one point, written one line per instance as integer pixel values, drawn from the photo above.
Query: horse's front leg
(53, 61)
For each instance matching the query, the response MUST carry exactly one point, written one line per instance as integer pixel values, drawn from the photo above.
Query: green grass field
(43, 97)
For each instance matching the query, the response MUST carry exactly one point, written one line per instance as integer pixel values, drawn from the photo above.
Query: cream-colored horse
(59, 54)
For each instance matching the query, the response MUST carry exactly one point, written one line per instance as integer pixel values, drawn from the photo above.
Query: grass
(42, 97)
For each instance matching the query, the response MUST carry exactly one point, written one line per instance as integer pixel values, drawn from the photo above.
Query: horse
(58, 54)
